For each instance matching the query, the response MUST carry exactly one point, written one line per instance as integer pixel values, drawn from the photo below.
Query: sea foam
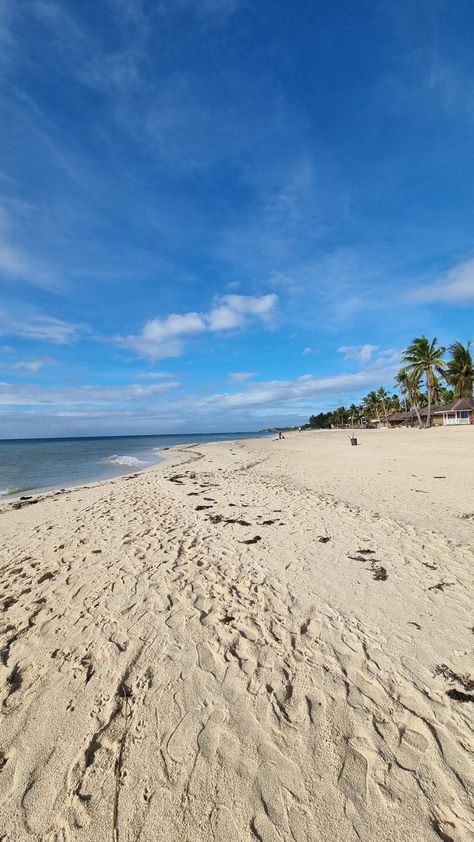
(8, 492)
(129, 461)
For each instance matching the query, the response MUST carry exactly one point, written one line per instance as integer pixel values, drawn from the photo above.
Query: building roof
(399, 416)
(402, 416)
(462, 403)
(455, 406)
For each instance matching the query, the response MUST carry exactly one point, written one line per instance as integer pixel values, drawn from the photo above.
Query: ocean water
(34, 464)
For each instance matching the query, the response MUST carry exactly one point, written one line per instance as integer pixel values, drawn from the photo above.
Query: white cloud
(41, 328)
(300, 394)
(224, 318)
(155, 408)
(232, 310)
(358, 353)
(161, 338)
(389, 356)
(262, 305)
(454, 287)
(308, 351)
(154, 375)
(33, 365)
(241, 376)
(14, 394)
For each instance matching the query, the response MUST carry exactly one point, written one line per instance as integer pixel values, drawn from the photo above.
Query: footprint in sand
(353, 777)
(223, 824)
(177, 618)
(208, 740)
(184, 736)
(211, 617)
(263, 828)
(288, 773)
(295, 704)
(188, 662)
(206, 658)
(272, 798)
(411, 749)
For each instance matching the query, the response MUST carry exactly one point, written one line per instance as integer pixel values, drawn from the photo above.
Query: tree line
(430, 374)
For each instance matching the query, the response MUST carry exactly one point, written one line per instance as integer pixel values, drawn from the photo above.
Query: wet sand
(261, 640)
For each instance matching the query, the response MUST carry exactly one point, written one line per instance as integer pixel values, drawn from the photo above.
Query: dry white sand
(259, 641)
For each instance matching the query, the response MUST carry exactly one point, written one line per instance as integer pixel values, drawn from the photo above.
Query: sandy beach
(262, 641)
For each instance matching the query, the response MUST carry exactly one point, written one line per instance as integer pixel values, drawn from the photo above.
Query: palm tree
(436, 389)
(338, 416)
(423, 357)
(401, 380)
(371, 406)
(460, 370)
(447, 396)
(415, 394)
(410, 391)
(383, 397)
(354, 414)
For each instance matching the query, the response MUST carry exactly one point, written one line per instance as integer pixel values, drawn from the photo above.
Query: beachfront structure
(459, 411)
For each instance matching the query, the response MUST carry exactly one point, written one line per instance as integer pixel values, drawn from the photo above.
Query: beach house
(459, 411)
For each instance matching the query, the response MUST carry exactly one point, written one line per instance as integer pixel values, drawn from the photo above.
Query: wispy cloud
(241, 376)
(161, 338)
(33, 366)
(158, 407)
(14, 394)
(332, 291)
(291, 208)
(5, 20)
(154, 375)
(298, 394)
(55, 15)
(16, 263)
(358, 353)
(454, 287)
(40, 328)
(307, 351)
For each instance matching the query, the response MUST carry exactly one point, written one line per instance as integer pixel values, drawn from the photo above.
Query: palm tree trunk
(428, 417)
(415, 406)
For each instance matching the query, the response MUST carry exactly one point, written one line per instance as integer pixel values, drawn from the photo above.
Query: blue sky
(223, 215)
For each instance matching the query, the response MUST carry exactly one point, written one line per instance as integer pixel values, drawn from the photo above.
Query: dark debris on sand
(441, 586)
(466, 682)
(379, 572)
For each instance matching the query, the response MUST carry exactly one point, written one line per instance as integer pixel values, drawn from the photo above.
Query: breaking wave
(8, 492)
(127, 461)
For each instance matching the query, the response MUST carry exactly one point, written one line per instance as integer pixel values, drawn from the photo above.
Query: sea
(48, 464)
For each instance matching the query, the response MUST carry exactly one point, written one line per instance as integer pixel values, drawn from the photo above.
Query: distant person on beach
(280, 435)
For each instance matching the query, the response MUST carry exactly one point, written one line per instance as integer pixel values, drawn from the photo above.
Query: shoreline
(265, 640)
(44, 492)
